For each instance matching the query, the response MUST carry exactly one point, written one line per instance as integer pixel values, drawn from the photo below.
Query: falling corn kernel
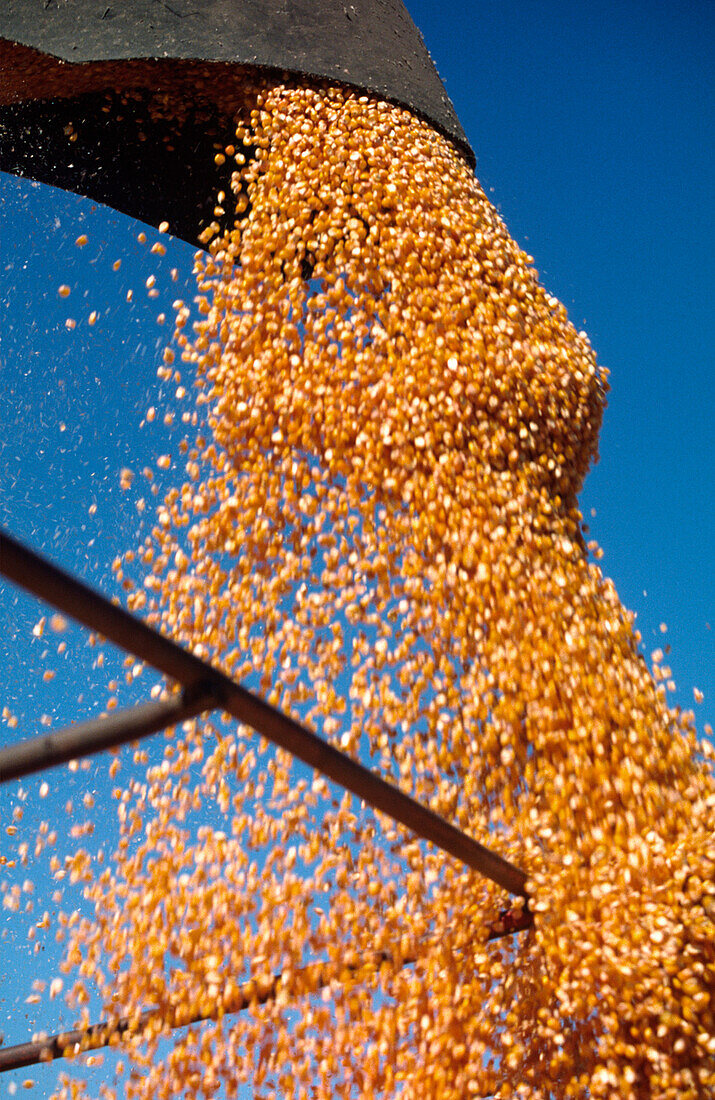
(379, 532)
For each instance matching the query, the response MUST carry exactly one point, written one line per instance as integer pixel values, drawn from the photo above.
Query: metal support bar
(85, 738)
(315, 977)
(31, 571)
(66, 1043)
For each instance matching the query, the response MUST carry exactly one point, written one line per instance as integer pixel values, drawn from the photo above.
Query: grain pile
(379, 531)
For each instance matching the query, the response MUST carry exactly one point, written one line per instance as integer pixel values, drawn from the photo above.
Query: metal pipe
(98, 734)
(315, 977)
(31, 571)
(66, 1043)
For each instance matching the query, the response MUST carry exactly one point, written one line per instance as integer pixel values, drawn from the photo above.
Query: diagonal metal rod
(66, 1043)
(84, 738)
(29, 570)
(256, 992)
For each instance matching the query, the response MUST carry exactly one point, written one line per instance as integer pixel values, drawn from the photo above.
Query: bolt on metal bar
(315, 977)
(31, 571)
(97, 734)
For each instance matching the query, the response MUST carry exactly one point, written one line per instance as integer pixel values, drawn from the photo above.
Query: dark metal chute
(80, 85)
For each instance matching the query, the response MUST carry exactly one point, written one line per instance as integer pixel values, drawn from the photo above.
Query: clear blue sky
(592, 125)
